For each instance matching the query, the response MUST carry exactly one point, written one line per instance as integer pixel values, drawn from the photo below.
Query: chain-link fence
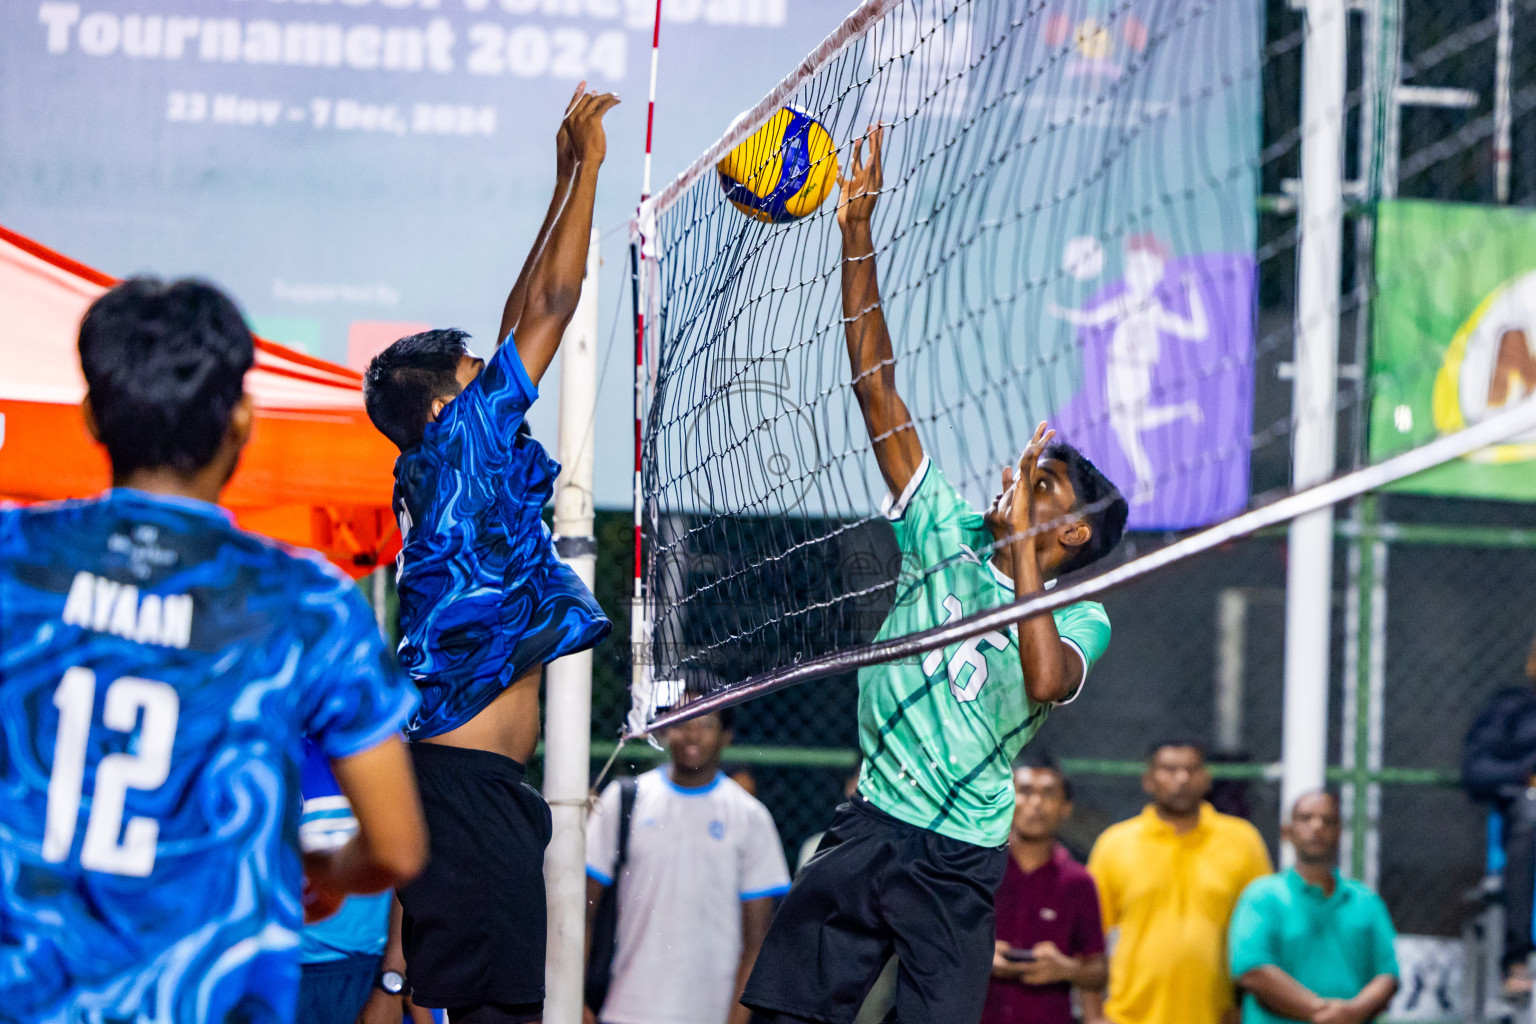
(1197, 653)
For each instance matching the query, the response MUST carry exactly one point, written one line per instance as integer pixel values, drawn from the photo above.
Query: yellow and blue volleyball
(782, 171)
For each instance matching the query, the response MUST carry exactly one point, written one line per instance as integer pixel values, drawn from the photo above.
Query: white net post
(1309, 567)
(568, 683)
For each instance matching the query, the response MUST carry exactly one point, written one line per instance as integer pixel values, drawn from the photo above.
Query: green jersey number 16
(967, 655)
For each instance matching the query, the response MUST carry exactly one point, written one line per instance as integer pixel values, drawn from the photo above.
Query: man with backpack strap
(692, 881)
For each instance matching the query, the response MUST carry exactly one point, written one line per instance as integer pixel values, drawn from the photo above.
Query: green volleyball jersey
(939, 734)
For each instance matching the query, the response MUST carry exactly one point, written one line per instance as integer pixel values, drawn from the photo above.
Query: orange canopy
(316, 472)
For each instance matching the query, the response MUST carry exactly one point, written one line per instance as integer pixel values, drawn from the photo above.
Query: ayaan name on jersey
(111, 607)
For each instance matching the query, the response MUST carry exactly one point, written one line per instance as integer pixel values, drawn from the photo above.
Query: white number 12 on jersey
(108, 845)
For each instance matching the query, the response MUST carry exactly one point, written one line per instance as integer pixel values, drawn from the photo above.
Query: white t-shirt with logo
(695, 855)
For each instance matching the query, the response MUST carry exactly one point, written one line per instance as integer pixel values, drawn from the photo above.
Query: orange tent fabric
(316, 472)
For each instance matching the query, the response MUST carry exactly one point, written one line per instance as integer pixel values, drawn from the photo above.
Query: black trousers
(474, 919)
(1519, 879)
(876, 886)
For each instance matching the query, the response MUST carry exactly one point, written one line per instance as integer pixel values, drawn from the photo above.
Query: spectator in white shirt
(696, 892)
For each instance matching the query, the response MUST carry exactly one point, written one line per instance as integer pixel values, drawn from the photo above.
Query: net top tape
(855, 25)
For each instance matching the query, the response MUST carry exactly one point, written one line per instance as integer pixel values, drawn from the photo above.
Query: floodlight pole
(1309, 568)
(568, 681)
(1503, 99)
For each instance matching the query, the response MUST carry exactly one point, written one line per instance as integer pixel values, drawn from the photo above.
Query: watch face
(392, 982)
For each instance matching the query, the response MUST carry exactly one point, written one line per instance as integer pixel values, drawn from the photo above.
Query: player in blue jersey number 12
(910, 864)
(160, 670)
(484, 603)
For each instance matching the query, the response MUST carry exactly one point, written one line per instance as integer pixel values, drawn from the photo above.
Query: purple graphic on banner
(1166, 407)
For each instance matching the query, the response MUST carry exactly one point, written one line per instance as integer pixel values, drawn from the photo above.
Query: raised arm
(544, 298)
(1098, 316)
(1052, 670)
(1197, 327)
(897, 449)
(565, 171)
(390, 846)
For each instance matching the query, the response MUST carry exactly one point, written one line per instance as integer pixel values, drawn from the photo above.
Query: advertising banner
(354, 170)
(1157, 285)
(1454, 339)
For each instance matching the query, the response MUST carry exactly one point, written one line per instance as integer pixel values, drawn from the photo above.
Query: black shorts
(876, 886)
(474, 919)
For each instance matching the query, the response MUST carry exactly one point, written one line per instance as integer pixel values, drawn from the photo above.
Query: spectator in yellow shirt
(1168, 881)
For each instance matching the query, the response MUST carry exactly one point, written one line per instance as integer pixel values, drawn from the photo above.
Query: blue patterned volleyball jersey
(159, 672)
(483, 597)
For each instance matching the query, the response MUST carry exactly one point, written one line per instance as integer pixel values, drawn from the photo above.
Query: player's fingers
(595, 108)
(605, 103)
(854, 164)
(575, 96)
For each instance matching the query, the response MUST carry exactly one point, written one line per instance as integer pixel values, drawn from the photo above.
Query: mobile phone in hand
(1015, 955)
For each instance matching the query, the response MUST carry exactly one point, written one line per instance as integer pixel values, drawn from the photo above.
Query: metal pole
(1375, 710)
(1364, 679)
(1309, 570)
(1503, 119)
(1351, 760)
(1231, 634)
(568, 681)
(1389, 49)
(380, 597)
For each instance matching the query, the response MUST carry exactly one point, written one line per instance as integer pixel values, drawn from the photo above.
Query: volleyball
(782, 171)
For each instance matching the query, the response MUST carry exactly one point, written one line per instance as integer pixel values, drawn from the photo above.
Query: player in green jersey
(910, 864)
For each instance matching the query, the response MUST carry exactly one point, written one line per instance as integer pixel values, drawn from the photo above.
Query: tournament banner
(1157, 287)
(355, 170)
(1454, 339)
(1122, 308)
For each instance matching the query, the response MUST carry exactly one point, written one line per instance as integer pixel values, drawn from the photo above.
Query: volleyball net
(1088, 217)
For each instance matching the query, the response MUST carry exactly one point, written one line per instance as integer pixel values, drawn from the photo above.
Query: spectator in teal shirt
(1307, 944)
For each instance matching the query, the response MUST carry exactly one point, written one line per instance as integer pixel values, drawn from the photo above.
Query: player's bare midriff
(508, 726)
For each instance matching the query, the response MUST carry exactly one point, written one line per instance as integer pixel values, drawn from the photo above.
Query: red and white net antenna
(638, 619)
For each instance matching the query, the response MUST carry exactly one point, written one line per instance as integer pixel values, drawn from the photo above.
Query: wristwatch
(392, 982)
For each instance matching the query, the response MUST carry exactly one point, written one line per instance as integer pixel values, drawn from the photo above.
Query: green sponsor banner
(1454, 339)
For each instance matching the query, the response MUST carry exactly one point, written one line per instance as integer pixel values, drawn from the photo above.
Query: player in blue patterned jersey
(484, 603)
(159, 670)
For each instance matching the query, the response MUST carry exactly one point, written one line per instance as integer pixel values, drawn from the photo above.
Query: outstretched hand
(1017, 502)
(581, 138)
(859, 189)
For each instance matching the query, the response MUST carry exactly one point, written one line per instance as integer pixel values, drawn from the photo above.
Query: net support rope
(1513, 421)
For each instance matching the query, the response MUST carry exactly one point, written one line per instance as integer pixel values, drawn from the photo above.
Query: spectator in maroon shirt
(1049, 935)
